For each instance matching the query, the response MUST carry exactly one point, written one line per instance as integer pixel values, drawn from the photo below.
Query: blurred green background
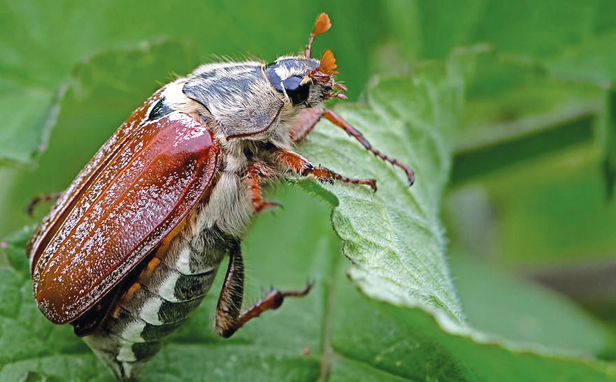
(531, 187)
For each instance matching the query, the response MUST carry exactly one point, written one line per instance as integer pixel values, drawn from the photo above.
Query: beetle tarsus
(353, 132)
(323, 174)
(228, 316)
(272, 301)
(51, 197)
(264, 205)
(301, 166)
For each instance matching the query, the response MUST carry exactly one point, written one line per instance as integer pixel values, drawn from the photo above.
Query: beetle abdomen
(169, 289)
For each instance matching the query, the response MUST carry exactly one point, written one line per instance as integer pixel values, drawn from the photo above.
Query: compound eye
(298, 93)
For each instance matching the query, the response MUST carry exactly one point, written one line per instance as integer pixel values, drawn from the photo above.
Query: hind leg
(229, 317)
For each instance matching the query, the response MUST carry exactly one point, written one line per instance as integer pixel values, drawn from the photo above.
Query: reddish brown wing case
(135, 190)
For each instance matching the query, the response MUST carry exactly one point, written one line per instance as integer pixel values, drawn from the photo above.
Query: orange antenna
(326, 69)
(328, 63)
(321, 26)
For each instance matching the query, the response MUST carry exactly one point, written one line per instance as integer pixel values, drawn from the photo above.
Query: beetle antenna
(327, 65)
(321, 26)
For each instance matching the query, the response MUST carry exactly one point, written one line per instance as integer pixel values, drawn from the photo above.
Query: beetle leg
(51, 197)
(232, 293)
(303, 167)
(304, 123)
(353, 132)
(308, 118)
(272, 300)
(228, 316)
(256, 172)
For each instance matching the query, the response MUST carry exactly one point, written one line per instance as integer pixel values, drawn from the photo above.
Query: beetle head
(304, 80)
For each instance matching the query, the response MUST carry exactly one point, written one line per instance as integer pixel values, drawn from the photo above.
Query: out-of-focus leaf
(102, 93)
(412, 345)
(42, 41)
(529, 28)
(28, 115)
(552, 213)
(574, 40)
(516, 112)
(593, 59)
(445, 25)
(528, 313)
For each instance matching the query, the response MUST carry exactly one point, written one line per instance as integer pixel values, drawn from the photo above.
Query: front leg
(354, 133)
(255, 173)
(301, 166)
(228, 316)
(308, 119)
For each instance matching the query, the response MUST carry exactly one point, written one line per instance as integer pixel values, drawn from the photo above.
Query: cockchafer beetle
(132, 246)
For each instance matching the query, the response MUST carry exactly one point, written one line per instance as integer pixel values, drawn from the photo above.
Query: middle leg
(308, 118)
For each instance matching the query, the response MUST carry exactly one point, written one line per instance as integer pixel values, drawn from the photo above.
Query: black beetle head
(301, 79)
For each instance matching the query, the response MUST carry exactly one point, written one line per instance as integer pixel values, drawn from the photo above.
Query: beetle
(130, 249)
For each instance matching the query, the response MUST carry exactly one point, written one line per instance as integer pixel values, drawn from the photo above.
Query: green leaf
(29, 114)
(335, 333)
(573, 40)
(516, 112)
(332, 331)
(409, 344)
(595, 60)
(394, 237)
(552, 216)
(529, 313)
(526, 27)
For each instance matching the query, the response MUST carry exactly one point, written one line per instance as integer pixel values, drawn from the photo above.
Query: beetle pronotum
(132, 246)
